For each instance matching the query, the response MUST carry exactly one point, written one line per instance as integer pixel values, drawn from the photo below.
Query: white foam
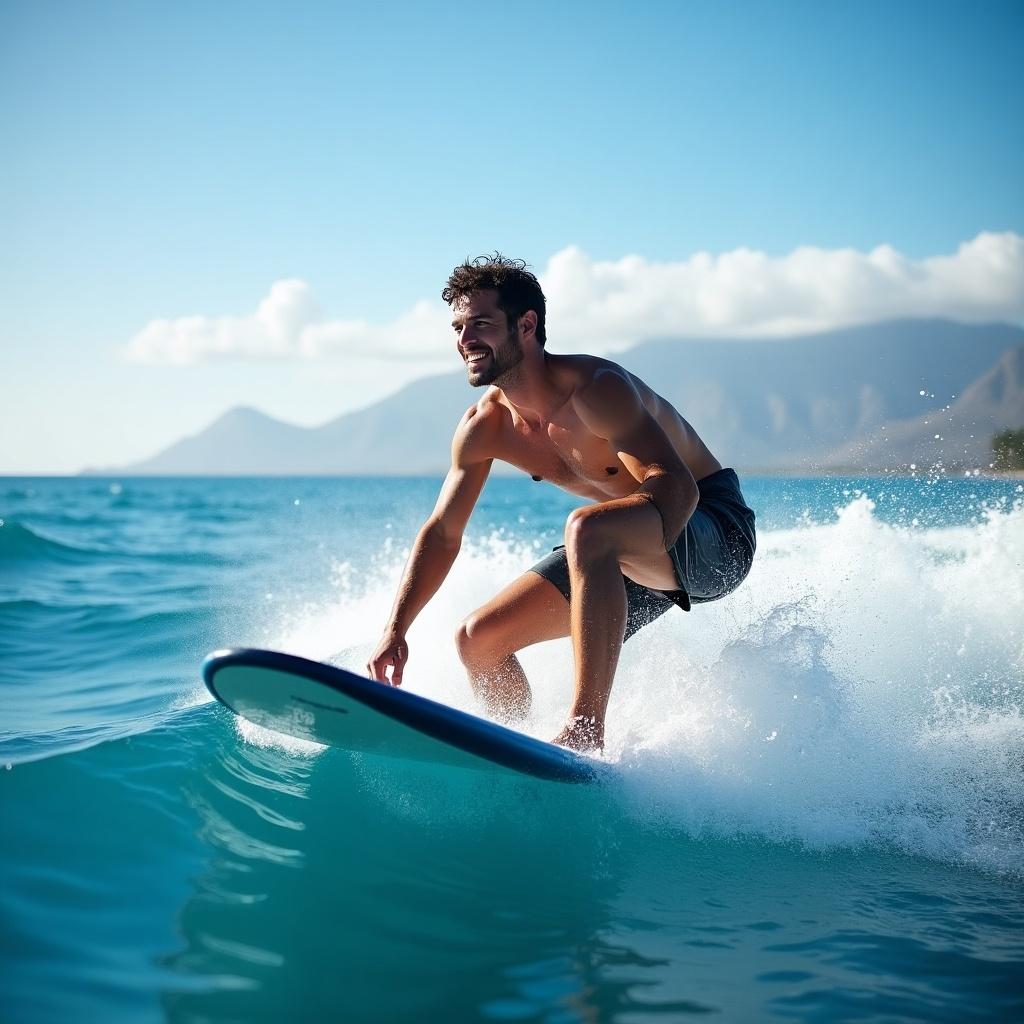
(863, 686)
(198, 696)
(258, 736)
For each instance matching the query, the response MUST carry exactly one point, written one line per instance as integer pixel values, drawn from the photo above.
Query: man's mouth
(477, 357)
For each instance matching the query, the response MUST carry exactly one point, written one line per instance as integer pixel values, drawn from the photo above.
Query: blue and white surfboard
(328, 705)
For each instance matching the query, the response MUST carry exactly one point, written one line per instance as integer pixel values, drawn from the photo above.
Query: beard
(498, 363)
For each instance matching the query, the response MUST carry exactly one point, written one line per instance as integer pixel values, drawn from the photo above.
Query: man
(667, 526)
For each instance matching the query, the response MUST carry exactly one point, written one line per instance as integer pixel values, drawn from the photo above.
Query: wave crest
(862, 687)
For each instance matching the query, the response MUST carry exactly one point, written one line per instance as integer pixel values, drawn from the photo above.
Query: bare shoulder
(479, 431)
(602, 387)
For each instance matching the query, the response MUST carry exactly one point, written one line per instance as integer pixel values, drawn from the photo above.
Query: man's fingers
(392, 658)
(398, 664)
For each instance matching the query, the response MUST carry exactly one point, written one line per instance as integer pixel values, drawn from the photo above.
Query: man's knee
(477, 638)
(464, 638)
(587, 535)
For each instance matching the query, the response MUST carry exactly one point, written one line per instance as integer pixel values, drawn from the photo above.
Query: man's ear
(528, 323)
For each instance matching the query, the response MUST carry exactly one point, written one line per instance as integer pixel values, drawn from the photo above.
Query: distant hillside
(791, 404)
(959, 435)
(407, 433)
(849, 398)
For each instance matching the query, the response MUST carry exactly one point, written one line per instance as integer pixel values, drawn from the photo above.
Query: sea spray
(863, 687)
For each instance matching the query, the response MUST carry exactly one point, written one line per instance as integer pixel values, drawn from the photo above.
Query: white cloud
(602, 306)
(288, 324)
(746, 293)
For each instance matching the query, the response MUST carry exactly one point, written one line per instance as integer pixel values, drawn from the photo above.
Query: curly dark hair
(518, 290)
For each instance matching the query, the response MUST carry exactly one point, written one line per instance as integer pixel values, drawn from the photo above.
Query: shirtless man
(667, 526)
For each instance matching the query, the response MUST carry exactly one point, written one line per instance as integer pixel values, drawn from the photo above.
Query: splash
(268, 739)
(864, 686)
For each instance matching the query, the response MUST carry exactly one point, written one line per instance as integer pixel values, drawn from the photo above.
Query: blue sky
(166, 161)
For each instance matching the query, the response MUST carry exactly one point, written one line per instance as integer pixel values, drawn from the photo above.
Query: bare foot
(582, 734)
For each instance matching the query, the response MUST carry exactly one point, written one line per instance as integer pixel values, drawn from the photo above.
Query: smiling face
(489, 347)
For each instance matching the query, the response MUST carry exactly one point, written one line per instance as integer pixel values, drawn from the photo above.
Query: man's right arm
(437, 543)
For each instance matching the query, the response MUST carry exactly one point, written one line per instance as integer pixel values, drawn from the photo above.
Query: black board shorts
(711, 557)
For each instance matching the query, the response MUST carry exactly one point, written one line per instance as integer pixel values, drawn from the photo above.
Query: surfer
(666, 525)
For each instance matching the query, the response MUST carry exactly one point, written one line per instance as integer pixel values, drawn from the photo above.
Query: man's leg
(602, 543)
(528, 611)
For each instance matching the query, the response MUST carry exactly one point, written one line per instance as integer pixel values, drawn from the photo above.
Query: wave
(23, 546)
(259, 872)
(20, 544)
(863, 687)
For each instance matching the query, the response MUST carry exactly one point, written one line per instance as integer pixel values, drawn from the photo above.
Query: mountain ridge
(817, 401)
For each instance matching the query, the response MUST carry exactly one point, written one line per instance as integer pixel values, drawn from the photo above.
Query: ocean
(815, 813)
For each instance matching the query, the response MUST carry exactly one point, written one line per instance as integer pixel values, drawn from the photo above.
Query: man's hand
(392, 652)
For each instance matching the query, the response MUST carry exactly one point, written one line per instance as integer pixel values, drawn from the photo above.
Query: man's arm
(436, 544)
(612, 408)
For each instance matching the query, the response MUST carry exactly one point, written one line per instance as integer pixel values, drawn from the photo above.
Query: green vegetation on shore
(1008, 449)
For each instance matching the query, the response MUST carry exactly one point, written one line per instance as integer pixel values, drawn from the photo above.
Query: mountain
(242, 441)
(958, 435)
(861, 397)
(793, 403)
(407, 433)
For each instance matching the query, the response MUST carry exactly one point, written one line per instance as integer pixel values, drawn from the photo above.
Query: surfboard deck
(329, 705)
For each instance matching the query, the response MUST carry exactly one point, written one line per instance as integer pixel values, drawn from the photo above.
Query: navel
(611, 470)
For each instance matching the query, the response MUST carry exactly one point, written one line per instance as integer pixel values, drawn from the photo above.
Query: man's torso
(565, 452)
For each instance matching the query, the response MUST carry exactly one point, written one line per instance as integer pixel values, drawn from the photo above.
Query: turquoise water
(816, 812)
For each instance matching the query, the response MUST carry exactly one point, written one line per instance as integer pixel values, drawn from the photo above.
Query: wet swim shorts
(712, 556)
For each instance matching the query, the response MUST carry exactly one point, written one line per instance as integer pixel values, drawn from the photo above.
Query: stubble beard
(504, 363)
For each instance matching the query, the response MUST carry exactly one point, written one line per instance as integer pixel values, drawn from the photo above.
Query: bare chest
(569, 456)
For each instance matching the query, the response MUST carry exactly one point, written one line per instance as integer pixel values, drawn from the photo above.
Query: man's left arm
(612, 408)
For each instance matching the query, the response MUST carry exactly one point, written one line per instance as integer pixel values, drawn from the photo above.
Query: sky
(210, 205)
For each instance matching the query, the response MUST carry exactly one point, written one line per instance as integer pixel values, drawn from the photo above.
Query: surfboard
(329, 705)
